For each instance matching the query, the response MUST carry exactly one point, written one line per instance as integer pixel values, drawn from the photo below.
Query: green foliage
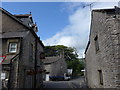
(70, 55)
(77, 65)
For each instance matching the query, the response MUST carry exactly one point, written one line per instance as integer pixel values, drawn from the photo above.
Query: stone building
(56, 66)
(102, 55)
(21, 48)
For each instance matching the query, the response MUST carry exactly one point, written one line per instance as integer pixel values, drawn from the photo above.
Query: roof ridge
(22, 15)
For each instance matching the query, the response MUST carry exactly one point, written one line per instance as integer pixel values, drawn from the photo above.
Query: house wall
(62, 67)
(6, 67)
(119, 53)
(57, 68)
(14, 74)
(25, 61)
(39, 76)
(10, 25)
(28, 62)
(5, 45)
(105, 26)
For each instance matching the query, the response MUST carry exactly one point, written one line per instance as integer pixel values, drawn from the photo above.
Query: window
(12, 47)
(96, 44)
(100, 76)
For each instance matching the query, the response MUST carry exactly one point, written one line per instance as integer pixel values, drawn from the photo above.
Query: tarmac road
(72, 84)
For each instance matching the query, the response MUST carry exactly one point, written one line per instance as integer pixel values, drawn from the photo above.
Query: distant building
(56, 66)
(102, 55)
(22, 48)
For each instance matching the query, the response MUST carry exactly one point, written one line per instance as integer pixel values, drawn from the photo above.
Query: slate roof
(13, 34)
(22, 15)
(49, 60)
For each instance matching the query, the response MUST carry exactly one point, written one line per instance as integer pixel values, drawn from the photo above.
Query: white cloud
(77, 32)
(102, 5)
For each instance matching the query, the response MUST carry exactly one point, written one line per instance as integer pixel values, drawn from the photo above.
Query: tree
(77, 65)
(70, 55)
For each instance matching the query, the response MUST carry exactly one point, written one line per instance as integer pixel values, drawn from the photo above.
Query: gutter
(87, 47)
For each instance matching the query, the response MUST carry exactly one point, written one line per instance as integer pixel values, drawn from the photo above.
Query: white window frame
(10, 46)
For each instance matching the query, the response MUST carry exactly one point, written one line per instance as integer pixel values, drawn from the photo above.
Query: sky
(60, 23)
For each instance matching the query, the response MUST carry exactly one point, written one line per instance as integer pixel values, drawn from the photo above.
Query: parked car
(66, 76)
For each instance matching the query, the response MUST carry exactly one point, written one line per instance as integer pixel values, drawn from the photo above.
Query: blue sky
(60, 23)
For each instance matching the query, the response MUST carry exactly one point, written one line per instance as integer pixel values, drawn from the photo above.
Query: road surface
(72, 84)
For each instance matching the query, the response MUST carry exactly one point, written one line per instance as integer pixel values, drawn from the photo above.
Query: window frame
(10, 46)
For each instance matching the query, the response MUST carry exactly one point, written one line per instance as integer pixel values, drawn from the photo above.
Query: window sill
(11, 53)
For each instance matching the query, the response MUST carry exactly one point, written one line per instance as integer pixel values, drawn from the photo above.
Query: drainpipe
(35, 63)
(9, 75)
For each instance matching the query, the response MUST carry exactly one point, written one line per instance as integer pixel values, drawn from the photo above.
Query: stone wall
(27, 62)
(105, 26)
(57, 68)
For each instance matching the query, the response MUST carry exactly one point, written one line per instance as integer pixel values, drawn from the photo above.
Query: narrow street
(72, 84)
